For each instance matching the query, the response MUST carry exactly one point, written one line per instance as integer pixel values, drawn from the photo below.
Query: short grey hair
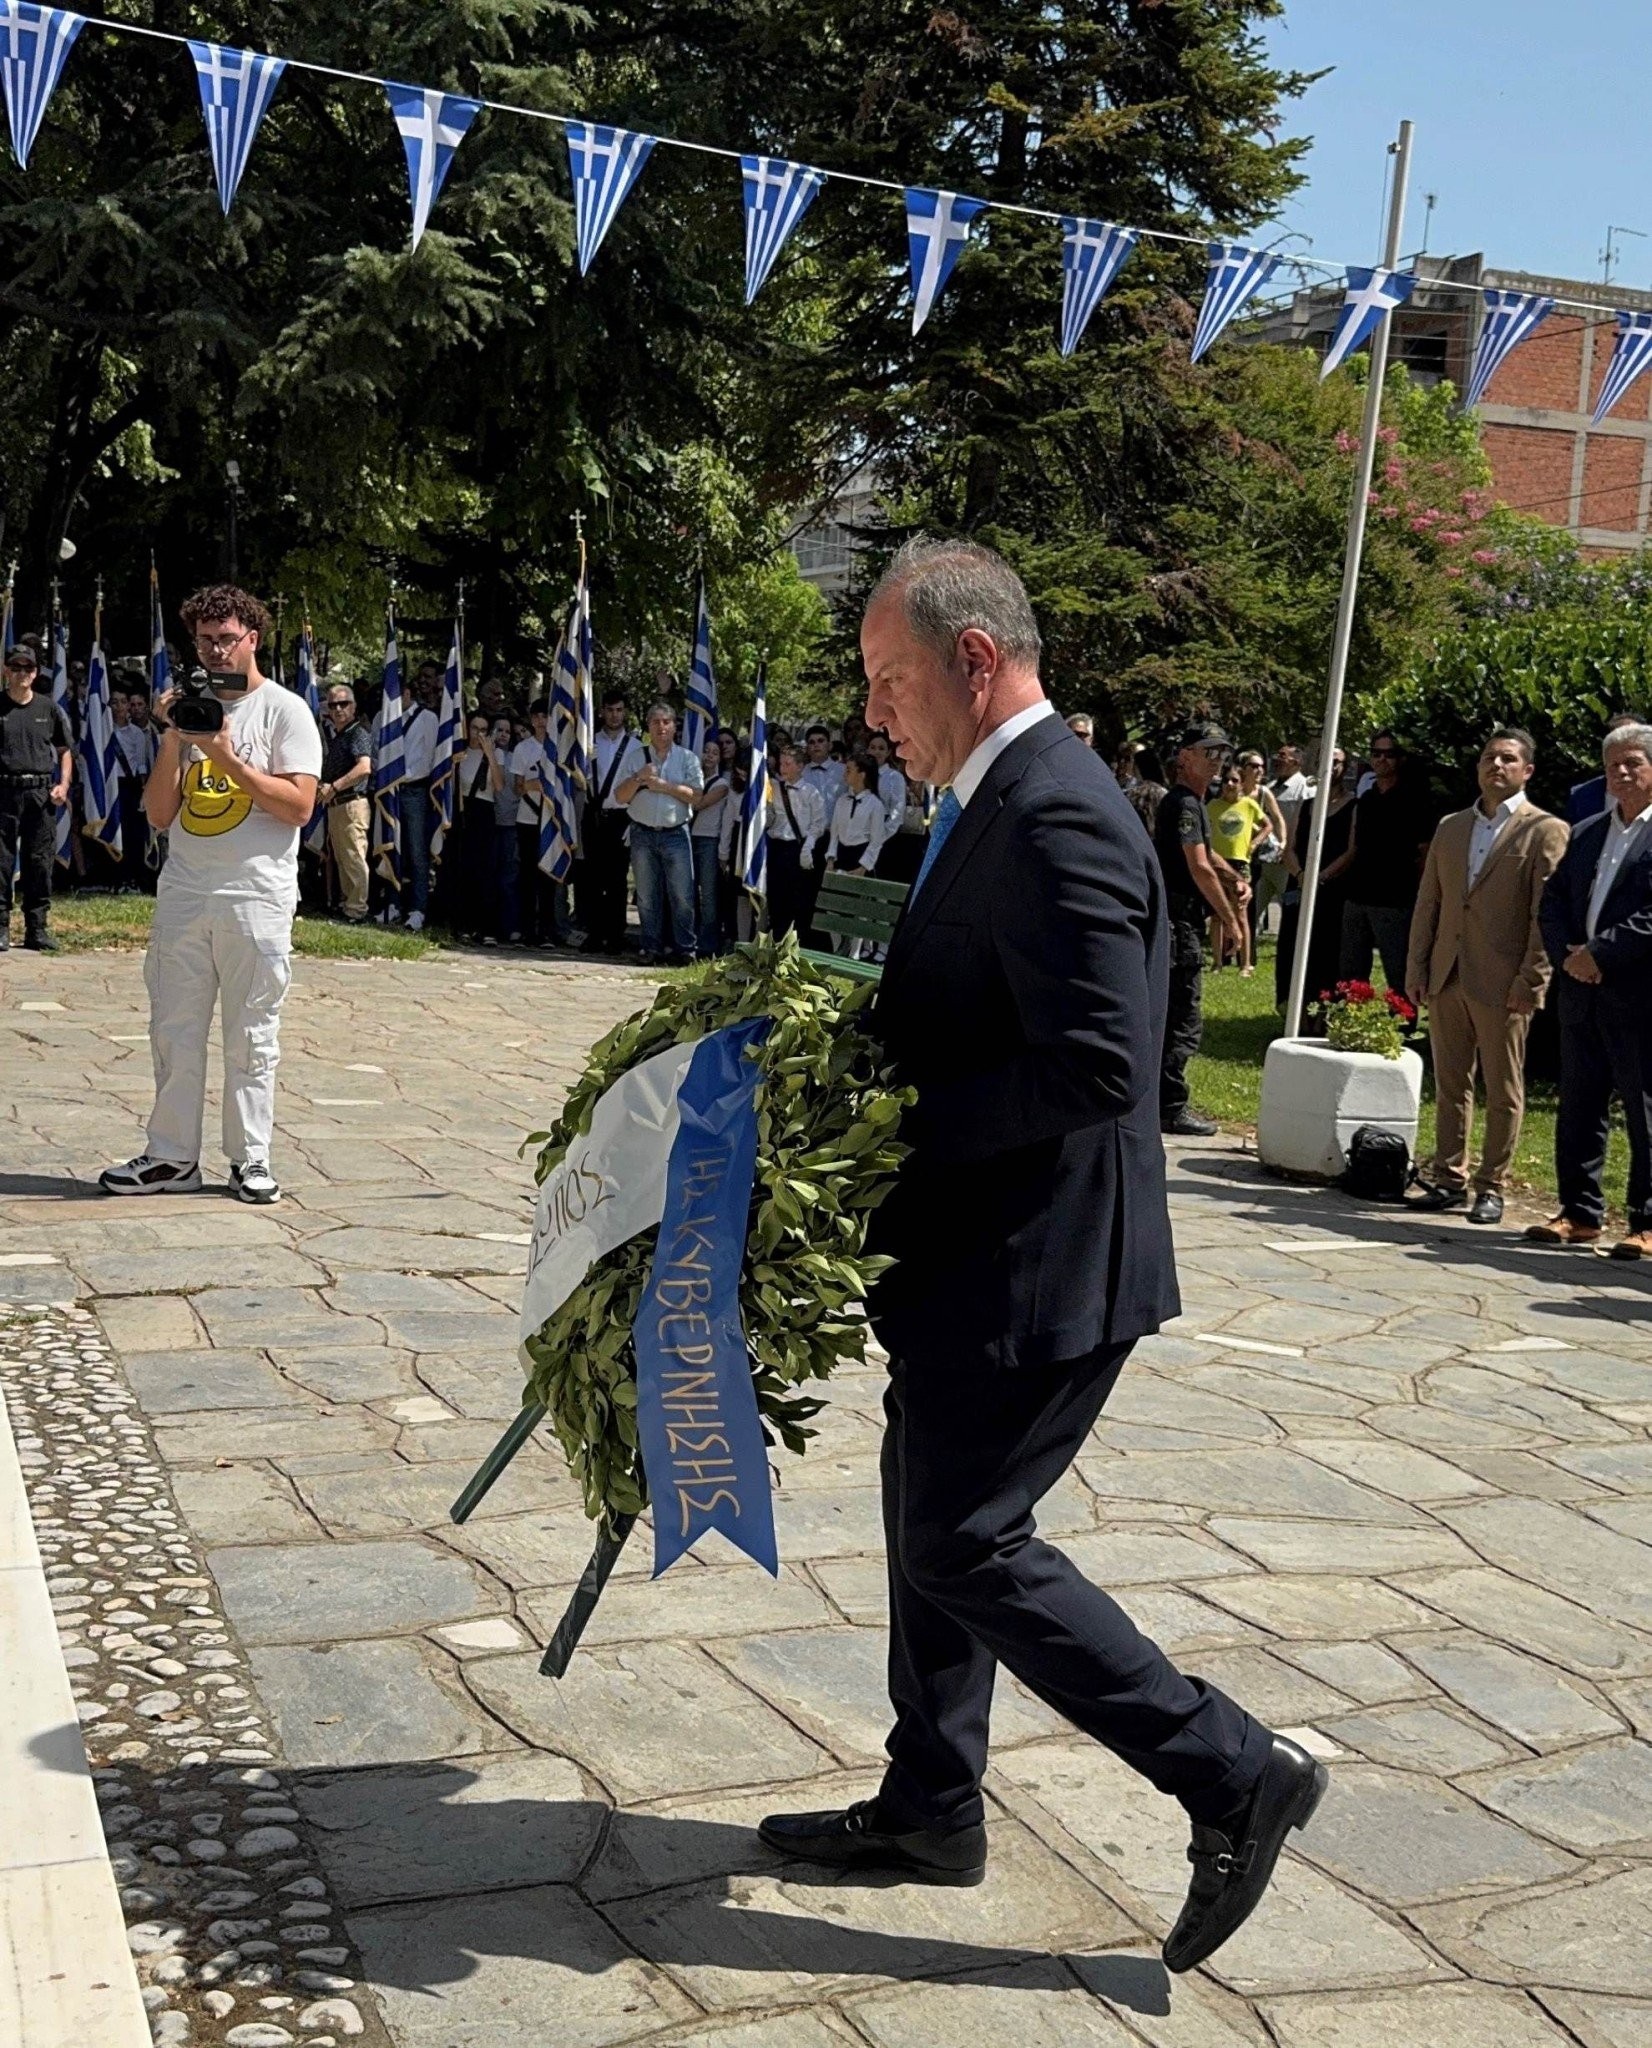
(1627, 736)
(948, 586)
(661, 709)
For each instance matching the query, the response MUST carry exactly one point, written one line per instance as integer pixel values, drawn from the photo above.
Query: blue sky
(1528, 117)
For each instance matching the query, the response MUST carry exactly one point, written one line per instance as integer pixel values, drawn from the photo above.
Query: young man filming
(233, 800)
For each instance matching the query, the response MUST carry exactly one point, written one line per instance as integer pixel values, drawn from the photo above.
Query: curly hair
(220, 601)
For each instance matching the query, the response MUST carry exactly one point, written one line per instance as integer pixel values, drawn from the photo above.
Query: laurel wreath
(827, 1153)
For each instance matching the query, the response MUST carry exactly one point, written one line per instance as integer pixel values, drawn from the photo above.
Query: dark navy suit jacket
(1622, 944)
(1024, 998)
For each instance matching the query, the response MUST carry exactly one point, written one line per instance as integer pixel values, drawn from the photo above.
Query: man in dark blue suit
(1587, 800)
(1024, 999)
(1596, 920)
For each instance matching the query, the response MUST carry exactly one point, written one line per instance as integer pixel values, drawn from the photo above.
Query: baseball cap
(1202, 732)
(22, 656)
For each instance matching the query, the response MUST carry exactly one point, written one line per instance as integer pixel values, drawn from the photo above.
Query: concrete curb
(66, 1974)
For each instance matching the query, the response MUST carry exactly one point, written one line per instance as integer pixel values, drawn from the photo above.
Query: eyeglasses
(217, 643)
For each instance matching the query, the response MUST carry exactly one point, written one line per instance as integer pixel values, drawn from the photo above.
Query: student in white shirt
(822, 774)
(705, 834)
(607, 824)
(796, 827)
(891, 783)
(541, 918)
(419, 724)
(859, 827)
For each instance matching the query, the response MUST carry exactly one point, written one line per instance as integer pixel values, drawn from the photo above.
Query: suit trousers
(1605, 1048)
(1462, 1033)
(969, 1450)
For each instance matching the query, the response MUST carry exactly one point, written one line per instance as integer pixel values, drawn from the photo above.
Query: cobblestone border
(230, 1924)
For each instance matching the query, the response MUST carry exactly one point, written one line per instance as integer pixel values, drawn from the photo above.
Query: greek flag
(100, 757)
(1092, 254)
(672, 1147)
(1631, 355)
(34, 47)
(752, 853)
(1236, 275)
(432, 124)
(236, 89)
(160, 662)
(558, 832)
(1510, 317)
(571, 721)
(389, 766)
(937, 227)
(700, 705)
(1371, 296)
(558, 813)
(315, 832)
(444, 760)
(778, 195)
(606, 163)
(60, 697)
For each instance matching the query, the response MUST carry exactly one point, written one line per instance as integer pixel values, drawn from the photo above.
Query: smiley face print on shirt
(213, 802)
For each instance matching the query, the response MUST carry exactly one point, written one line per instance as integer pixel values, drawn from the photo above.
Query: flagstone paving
(1388, 1480)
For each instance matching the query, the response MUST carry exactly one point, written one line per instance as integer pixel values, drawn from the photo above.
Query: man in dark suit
(1587, 800)
(1596, 919)
(1024, 998)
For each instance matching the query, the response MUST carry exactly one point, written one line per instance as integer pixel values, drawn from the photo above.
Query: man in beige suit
(1476, 958)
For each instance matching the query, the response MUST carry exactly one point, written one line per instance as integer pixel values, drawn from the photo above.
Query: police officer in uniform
(36, 766)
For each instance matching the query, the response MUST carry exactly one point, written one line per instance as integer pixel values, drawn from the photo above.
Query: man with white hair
(1024, 999)
(1596, 918)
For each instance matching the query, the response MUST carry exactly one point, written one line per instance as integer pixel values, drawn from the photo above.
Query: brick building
(1545, 456)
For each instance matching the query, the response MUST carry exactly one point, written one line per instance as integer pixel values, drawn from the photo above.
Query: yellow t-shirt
(1236, 823)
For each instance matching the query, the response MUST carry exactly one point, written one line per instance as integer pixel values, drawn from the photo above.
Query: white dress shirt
(1487, 832)
(825, 778)
(1622, 838)
(969, 778)
(418, 741)
(806, 802)
(892, 789)
(608, 745)
(857, 822)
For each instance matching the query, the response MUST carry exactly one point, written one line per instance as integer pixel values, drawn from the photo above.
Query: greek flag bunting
(445, 757)
(1631, 355)
(752, 851)
(1092, 254)
(34, 47)
(606, 163)
(778, 195)
(1370, 297)
(389, 766)
(160, 662)
(432, 125)
(1509, 318)
(314, 837)
(937, 227)
(700, 700)
(1236, 275)
(236, 89)
(101, 765)
(60, 697)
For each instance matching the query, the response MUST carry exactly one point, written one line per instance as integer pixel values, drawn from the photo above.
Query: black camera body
(198, 708)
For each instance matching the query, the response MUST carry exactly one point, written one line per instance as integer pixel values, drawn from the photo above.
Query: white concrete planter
(1314, 1099)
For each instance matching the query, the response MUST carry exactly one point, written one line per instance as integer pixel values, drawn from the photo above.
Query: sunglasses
(1385, 753)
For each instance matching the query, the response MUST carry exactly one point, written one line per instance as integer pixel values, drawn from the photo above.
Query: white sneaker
(415, 920)
(147, 1176)
(253, 1181)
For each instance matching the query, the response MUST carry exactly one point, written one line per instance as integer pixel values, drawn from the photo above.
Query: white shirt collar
(969, 778)
(1504, 811)
(1624, 824)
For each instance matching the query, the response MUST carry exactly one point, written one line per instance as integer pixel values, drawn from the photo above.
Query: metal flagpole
(1401, 150)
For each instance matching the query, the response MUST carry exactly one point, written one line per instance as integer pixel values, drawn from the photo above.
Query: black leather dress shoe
(856, 1836)
(1188, 1123)
(1431, 1195)
(1231, 1870)
(1487, 1207)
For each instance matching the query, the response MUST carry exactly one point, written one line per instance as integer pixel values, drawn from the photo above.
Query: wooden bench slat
(838, 963)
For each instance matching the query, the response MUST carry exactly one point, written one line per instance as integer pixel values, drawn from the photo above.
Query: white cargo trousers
(207, 952)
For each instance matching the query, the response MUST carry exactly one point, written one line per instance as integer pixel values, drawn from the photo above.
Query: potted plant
(1316, 1092)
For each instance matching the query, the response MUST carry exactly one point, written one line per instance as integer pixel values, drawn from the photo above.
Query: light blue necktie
(947, 813)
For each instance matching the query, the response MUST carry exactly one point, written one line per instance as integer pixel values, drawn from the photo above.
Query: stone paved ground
(1390, 1483)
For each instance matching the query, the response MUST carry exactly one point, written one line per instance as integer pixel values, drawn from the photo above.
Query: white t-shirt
(524, 761)
(221, 843)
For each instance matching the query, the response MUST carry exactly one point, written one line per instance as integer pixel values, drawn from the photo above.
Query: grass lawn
(1226, 1078)
(84, 924)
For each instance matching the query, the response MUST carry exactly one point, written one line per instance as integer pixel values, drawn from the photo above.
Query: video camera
(198, 706)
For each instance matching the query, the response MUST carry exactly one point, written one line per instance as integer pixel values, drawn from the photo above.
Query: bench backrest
(859, 907)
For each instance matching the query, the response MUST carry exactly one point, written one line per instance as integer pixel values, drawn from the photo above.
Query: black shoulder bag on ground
(1379, 1165)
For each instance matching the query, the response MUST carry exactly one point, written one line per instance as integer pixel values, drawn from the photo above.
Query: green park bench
(856, 907)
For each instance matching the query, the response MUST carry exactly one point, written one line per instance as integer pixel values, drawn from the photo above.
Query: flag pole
(1400, 150)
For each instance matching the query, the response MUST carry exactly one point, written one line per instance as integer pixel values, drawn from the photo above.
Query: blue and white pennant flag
(937, 227)
(778, 195)
(432, 125)
(1631, 356)
(1370, 297)
(236, 89)
(389, 766)
(1235, 276)
(101, 763)
(60, 697)
(1092, 254)
(752, 850)
(606, 163)
(700, 702)
(34, 47)
(444, 760)
(1510, 317)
